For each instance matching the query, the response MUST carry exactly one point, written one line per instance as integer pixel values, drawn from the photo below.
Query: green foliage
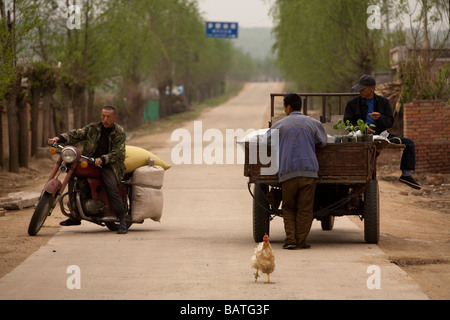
(421, 83)
(347, 126)
(15, 32)
(122, 45)
(325, 45)
(420, 74)
(339, 125)
(363, 127)
(442, 85)
(42, 75)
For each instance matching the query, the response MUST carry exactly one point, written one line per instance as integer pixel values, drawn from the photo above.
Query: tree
(427, 36)
(42, 79)
(162, 44)
(122, 48)
(325, 45)
(16, 21)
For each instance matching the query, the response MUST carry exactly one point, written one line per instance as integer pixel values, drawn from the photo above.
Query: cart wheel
(261, 219)
(327, 223)
(372, 213)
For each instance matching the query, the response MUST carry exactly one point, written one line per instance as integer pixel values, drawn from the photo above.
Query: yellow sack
(136, 157)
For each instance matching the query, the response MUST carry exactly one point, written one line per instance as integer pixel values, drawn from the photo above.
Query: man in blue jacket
(297, 169)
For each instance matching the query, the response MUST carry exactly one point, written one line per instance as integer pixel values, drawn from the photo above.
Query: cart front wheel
(372, 213)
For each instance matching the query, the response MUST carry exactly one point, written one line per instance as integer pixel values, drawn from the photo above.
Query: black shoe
(123, 228)
(70, 222)
(395, 140)
(289, 246)
(305, 246)
(410, 182)
(122, 231)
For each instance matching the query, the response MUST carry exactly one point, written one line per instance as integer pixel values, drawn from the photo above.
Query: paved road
(202, 247)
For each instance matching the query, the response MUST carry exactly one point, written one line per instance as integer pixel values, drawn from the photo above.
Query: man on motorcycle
(104, 141)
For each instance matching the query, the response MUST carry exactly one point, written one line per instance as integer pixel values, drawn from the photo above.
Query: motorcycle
(86, 198)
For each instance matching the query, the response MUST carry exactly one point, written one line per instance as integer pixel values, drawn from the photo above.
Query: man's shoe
(410, 182)
(289, 246)
(305, 246)
(123, 228)
(395, 140)
(70, 222)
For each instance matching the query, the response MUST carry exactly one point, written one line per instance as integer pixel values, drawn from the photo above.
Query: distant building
(403, 53)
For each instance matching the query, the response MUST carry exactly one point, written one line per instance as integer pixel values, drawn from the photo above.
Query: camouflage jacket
(90, 134)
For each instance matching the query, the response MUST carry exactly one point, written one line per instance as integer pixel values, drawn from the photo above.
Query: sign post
(227, 30)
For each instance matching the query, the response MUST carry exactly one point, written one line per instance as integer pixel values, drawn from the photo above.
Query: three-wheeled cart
(347, 184)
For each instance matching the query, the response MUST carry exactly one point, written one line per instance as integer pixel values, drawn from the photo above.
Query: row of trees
(326, 45)
(68, 55)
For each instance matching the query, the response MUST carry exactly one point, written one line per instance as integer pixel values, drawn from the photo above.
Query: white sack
(147, 203)
(148, 176)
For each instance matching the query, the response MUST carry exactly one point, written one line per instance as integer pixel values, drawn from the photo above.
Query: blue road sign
(215, 29)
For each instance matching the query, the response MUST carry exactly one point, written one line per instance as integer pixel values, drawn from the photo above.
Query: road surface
(203, 245)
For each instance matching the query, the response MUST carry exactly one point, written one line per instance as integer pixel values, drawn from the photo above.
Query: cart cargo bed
(341, 163)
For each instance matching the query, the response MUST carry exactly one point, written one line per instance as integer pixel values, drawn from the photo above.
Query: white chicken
(263, 260)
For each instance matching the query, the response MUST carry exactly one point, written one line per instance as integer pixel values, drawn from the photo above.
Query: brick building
(427, 123)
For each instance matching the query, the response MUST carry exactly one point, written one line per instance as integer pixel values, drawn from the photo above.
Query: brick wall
(427, 123)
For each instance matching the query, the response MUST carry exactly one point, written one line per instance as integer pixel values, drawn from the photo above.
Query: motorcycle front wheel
(41, 213)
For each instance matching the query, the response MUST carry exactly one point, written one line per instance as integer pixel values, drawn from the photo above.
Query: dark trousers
(409, 153)
(298, 208)
(110, 183)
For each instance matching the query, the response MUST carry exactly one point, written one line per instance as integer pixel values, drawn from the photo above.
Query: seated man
(376, 110)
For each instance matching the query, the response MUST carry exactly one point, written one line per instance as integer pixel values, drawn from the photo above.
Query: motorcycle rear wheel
(41, 213)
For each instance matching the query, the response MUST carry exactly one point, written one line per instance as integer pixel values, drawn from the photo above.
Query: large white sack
(147, 203)
(148, 176)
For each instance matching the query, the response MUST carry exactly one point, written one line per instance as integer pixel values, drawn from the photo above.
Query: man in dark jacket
(374, 109)
(104, 141)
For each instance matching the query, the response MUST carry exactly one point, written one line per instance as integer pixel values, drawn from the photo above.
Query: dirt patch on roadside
(415, 225)
(15, 243)
(407, 261)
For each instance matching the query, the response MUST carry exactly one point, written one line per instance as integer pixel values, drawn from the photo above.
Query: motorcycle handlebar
(58, 146)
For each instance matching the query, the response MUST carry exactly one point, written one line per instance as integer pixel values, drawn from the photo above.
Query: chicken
(263, 260)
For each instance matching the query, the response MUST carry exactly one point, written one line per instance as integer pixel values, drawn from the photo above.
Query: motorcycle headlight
(69, 155)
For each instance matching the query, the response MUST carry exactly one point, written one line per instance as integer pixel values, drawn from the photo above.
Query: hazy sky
(248, 13)
(254, 13)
